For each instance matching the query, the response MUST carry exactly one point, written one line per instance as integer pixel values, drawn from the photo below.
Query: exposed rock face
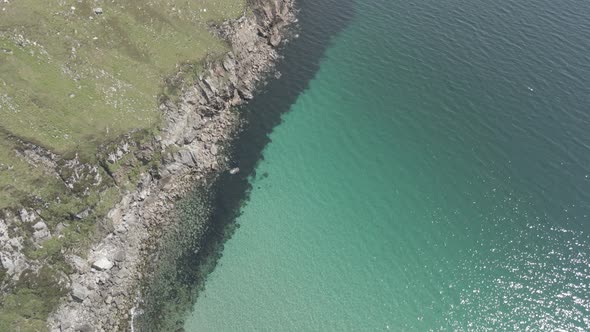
(41, 232)
(11, 256)
(195, 132)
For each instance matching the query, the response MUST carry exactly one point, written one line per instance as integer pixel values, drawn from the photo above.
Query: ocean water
(431, 172)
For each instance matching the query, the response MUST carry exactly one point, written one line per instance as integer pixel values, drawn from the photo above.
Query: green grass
(20, 180)
(35, 296)
(70, 78)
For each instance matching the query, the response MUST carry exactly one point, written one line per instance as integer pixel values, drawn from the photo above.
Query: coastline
(193, 140)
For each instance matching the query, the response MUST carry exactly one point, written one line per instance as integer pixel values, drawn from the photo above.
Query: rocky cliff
(102, 290)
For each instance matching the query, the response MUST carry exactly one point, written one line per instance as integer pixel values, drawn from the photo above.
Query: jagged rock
(211, 86)
(186, 157)
(60, 228)
(206, 92)
(102, 264)
(26, 216)
(82, 214)
(229, 63)
(190, 137)
(79, 292)
(142, 195)
(246, 94)
(207, 111)
(7, 263)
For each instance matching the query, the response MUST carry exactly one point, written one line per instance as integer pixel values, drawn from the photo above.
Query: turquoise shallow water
(433, 175)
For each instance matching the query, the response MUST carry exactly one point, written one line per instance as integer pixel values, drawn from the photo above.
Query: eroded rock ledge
(103, 290)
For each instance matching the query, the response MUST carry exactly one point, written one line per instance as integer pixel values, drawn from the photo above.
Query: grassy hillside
(71, 79)
(74, 79)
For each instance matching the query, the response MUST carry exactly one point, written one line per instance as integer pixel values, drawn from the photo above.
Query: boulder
(102, 264)
(41, 232)
(112, 158)
(82, 214)
(39, 226)
(98, 11)
(7, 263)
(214, 149)
(26, 216)
(186, 157)
(79, 292)
(120, 256)
(78, 263)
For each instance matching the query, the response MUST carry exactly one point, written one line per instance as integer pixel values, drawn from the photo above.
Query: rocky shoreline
(196, 130)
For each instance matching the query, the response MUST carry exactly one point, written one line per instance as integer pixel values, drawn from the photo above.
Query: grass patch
(34, 297)
(20, 180)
